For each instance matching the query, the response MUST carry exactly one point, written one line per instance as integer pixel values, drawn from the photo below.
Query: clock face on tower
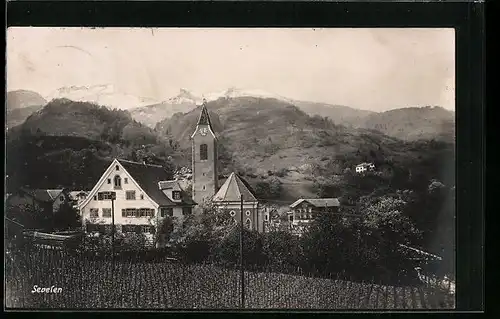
(203, 131)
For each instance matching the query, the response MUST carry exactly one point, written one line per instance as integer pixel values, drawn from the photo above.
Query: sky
(374, 69)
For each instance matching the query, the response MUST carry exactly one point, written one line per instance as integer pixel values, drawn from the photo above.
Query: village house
(76, 197)
(304, 211)
(46, 200)
(363, 167)
(144, 195)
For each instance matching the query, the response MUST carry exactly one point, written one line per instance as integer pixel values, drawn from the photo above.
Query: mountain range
(411, 123)
(260, 136)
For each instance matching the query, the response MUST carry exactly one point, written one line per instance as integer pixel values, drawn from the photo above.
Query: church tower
(204, 159)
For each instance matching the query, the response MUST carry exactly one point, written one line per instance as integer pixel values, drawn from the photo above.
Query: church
(205, 179)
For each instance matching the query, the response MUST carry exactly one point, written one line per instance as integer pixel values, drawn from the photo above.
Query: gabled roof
(232, 189)
(43, 195)
(168, 185)
(175, 186)
(148, 177)
(318, 202)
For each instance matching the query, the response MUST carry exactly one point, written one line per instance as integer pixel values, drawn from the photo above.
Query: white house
(144, 195)
(304, 211)
(363, 167)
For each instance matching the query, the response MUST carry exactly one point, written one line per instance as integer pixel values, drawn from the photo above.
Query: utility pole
(242, 273)
(113, 197)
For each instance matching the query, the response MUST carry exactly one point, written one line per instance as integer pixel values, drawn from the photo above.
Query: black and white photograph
(230, 168)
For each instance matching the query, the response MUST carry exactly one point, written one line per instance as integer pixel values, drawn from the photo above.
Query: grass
(95, 284)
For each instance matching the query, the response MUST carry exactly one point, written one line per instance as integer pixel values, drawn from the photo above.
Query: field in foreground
(132, 284)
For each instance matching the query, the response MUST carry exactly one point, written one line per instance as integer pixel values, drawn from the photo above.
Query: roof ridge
(138, 163)
(238, 179)
(228, 181)
(50, 195)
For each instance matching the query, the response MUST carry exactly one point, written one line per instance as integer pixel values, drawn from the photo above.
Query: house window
(117, 167)
(130, 195)
(247, 212)
(150, 212)
(266, 217)
(310, 209)
(125, 180)
(203, 152)
(118, 182)
(103, 196)
(129, 212)
(106, 212)
(290, 218)
(95, 197)
(186, 210)
(94, 212)
(128, 228)
(248, 223)
(147, 229)
(109, 180)
(166, 211)
(176, 195)
(203, 187)
(61, 198)
(142, 196)
(138, 212)
(232, 213)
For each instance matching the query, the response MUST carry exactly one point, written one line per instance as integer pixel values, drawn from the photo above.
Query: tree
(195, 235)
(66, 217)
(228, 249)
(385, 215)
(164, 231)
(281, 248)
(386, 223)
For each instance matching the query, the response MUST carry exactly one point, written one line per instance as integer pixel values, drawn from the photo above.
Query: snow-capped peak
(185, 96)
(103, 94)
(237, 92)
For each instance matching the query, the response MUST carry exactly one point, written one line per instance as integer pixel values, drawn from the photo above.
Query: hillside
(267, 133)
(264, 137)
(23, 98)
(60, 144)
(20, 104)
(18, 116)
(405, 123)
(414, 123)
(63, 117)
(268, 138)
(339, 114)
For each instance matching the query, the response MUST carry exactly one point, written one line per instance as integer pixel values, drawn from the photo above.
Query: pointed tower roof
(232, 189)
(204, 117)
